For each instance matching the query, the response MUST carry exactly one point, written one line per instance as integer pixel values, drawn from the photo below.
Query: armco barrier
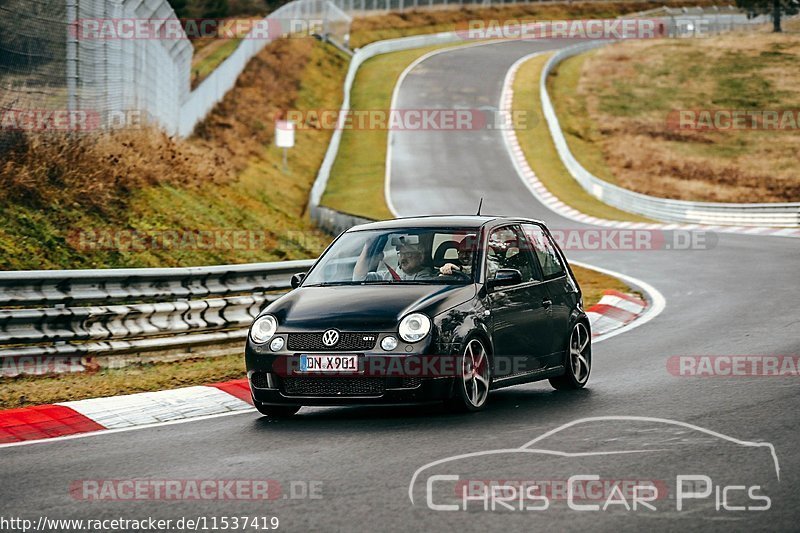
(664, 209)
(107, 312)
(334, 222)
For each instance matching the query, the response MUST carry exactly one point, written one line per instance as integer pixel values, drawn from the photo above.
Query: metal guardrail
(664, 209)
(107, 312)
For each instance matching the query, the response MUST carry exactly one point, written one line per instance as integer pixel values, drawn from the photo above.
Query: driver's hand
(448, 268)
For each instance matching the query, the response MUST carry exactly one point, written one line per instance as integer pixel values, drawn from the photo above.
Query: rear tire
(475, 379)
(277, 411)
(577, 361)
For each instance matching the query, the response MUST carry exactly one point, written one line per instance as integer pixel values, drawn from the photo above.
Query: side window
(545, 251)
(505, 249)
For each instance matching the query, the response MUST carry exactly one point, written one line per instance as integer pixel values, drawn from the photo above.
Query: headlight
(414, 327)
(263, 329)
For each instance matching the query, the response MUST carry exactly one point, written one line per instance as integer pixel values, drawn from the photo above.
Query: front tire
(275, 412)
(475, 380)
(578, 360)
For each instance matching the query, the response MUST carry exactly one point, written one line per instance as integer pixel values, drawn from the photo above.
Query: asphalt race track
(737, 298)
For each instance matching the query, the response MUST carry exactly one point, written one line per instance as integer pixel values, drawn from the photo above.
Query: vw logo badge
(330, 337)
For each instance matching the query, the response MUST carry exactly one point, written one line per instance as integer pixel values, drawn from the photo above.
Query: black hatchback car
(424, 309)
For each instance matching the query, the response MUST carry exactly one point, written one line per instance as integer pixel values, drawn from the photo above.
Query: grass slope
(615, 103)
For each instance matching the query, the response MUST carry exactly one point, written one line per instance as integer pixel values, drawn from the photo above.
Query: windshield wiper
(332, 283)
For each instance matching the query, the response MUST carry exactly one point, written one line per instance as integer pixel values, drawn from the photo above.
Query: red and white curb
(44, 422)
(614, 310)
(549, 200)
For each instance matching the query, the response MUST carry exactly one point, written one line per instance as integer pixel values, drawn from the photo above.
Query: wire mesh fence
(81, 65)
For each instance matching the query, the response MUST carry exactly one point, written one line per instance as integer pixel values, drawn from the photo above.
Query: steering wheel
(458, 272)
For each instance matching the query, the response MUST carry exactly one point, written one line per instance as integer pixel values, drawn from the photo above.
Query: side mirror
(297, 279)
(505, 277)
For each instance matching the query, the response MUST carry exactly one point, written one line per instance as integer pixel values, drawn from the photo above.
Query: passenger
(466, 251)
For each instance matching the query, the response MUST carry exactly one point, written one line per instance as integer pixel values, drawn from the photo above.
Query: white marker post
(284, 138)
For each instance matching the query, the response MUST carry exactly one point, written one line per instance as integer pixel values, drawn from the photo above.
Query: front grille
(312, 342)
(333, 386)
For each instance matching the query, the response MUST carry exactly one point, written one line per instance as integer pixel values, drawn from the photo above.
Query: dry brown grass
(227, 176)
(98, 172)
(628, 90)
(386, 26)
(243, 123)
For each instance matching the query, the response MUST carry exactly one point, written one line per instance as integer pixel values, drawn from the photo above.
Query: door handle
(547, 302)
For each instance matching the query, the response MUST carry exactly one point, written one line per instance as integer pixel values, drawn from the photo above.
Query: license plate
(329, 363)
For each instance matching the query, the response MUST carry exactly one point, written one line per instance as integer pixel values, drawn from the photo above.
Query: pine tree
(777, 8)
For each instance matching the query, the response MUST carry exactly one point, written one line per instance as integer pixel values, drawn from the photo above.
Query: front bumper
(383, 379)
(393, 392)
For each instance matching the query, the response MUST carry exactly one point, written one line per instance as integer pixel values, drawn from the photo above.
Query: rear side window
(505, 249)
(544, 250)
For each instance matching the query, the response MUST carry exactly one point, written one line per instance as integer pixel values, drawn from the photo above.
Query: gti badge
(330, 338)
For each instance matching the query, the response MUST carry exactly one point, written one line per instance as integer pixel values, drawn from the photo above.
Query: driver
(412, 263)
(466, 250)
(411, 266)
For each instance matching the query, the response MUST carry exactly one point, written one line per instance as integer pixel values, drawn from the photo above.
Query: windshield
(420, 255)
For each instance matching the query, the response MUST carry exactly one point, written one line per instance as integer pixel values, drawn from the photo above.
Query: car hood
(363, 307)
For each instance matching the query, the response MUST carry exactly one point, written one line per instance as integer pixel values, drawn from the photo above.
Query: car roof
(439, 221)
